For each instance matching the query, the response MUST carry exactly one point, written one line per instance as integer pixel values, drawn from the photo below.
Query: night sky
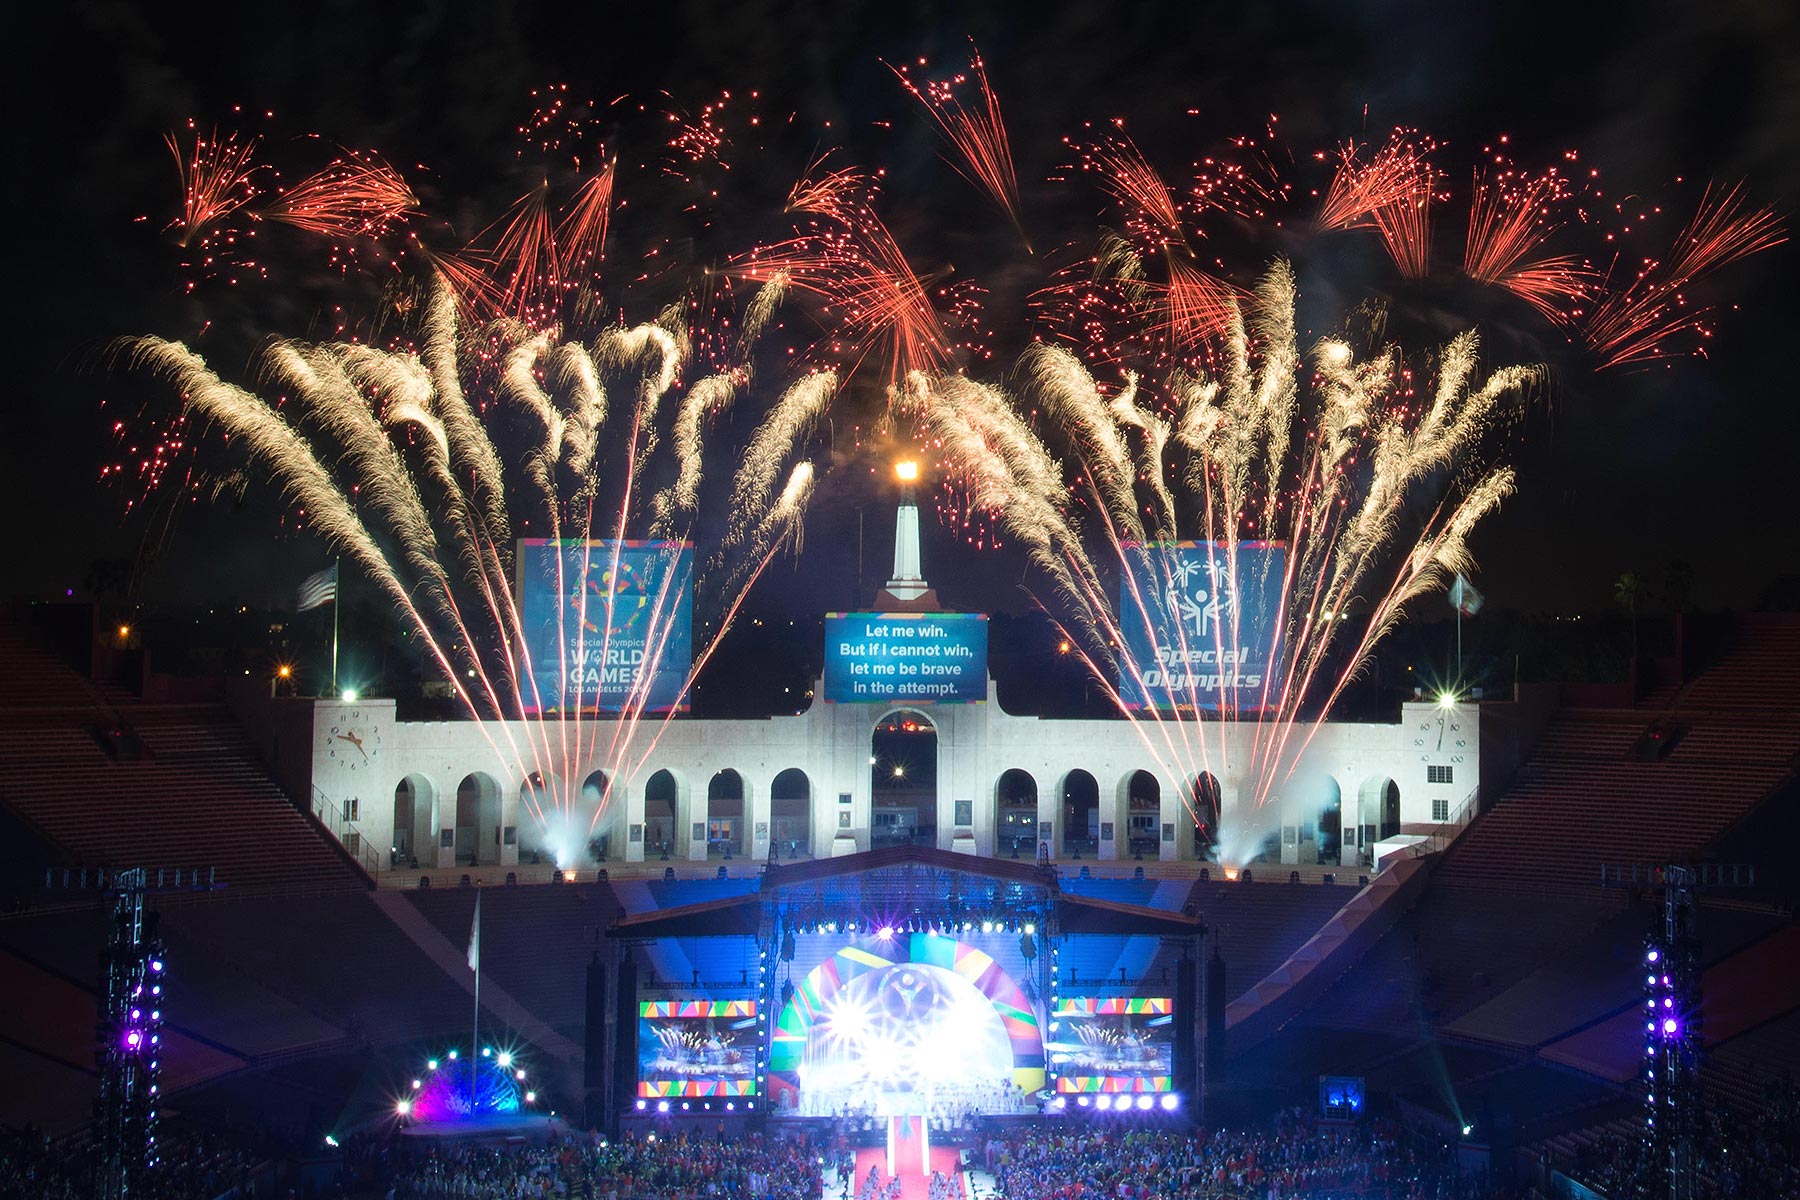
(1617, 472)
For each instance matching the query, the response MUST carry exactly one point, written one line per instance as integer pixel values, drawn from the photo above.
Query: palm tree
(1628, 590)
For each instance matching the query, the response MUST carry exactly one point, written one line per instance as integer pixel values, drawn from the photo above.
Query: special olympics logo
(1199, 594)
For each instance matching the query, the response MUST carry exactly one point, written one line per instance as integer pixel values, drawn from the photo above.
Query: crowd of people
(194, 1164)
(1736, 1154)
(689, 1165)
(1291, 1157)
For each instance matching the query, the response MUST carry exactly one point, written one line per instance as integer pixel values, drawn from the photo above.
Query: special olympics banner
(907, 658)
(608, 625)
(1200, 624)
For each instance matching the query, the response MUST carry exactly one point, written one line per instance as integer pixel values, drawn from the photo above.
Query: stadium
(917, 995)
(904, 602)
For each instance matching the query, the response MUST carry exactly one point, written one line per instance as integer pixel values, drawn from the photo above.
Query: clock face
(1441, 735)
(351, 742)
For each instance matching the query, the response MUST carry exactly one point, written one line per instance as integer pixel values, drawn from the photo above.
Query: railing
(1448, 831)
(335, 819)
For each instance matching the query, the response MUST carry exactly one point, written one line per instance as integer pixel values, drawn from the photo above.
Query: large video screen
(905, 658)
(895, 1023)
(697, 1048)
(608, 625)
(1201, 624)
(1113, 1043)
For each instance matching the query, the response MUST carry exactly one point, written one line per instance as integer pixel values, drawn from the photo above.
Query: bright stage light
(642, 1105)
(1670, 1026)
(453, 1055)
(1082, 1101)
(417, 1084)
(531, 1097)
(403, 1107)
(431, 1064)
(662, 1106)
(1145, 1102)
(505, 1059)
(487, 1052)
(1467, 1130)
(885, 932)
(1171, 1102)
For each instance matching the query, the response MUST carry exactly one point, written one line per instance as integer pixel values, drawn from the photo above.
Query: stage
(500, 1127)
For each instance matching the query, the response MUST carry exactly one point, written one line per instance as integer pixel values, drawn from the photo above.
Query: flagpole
(337, 603)
(475, 1028)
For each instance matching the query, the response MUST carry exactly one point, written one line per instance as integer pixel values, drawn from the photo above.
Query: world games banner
(608, 625)
(1201, 625)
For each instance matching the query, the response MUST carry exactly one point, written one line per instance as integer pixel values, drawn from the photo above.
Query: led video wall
(1113, 1044)
(886, 1022)
(697, 1048)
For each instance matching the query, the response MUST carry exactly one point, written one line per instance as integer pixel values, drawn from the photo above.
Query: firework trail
(1391, 193)
(217, 179)
(384, 453)
(1641, 322)
(851, 264)
(357, 196)
(977, 132)
(1341, 480)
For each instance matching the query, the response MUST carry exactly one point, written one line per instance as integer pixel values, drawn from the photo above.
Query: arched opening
(415, 823)
(1325, 799)
(1143, 813)
(477, 837)
(790, 814)
(1080, 809)
(596, 795)
(1206, 817)
(661, 796)
(1377, 813)
(551, 834)
(903, 762)
(1016, 814)
(725, 814)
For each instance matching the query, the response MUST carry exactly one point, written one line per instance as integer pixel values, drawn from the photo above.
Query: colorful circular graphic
(910, 1013)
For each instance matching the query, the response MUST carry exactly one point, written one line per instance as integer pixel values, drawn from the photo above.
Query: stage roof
(932, 882)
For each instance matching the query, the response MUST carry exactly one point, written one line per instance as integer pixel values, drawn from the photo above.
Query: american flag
(318, 589)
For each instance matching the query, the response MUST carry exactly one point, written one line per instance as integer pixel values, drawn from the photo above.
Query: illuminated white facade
(450, 793)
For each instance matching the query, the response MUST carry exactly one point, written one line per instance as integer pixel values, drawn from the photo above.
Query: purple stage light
(133, 1038)
(1652, 956)
(1671, 1027)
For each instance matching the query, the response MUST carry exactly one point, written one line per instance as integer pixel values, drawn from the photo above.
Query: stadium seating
(191, 793)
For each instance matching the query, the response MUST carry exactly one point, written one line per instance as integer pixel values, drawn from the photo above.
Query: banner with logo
(1201, 625)
(608, 625)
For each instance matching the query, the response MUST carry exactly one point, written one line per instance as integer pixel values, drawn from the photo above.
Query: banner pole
(337, 604)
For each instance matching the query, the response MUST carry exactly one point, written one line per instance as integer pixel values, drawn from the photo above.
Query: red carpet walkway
(946, 1159)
